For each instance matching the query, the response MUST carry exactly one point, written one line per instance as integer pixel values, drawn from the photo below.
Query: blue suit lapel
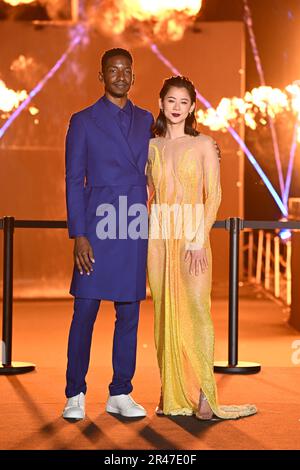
(112, 129)
(136, 135)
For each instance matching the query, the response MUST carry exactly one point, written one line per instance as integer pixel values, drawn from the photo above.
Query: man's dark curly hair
(114, 52)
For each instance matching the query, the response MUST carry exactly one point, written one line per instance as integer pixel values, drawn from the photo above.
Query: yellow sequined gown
(181, 171)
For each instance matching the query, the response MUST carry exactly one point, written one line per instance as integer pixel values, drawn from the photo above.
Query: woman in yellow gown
(183, 174)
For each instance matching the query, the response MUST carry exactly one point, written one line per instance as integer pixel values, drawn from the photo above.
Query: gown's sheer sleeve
(212, 193)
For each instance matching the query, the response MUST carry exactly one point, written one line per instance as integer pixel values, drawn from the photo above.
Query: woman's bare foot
(159, 408)
(204, 410)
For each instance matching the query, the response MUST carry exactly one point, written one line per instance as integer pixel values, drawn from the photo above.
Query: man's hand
(198, 259)
(83, 255)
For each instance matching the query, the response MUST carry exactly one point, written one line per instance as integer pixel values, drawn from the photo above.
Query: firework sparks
(21, 63)
(10, 99)
(158, 18)
(256, 106)
(15, 3)
(294, 91)
(33, 110)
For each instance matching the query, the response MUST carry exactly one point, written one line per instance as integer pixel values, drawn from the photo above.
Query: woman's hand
(198, 260)
(83, 255)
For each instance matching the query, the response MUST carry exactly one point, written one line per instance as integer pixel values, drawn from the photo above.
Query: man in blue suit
(106, 154)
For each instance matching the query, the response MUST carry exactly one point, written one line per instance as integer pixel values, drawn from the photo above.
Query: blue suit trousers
(124, 345)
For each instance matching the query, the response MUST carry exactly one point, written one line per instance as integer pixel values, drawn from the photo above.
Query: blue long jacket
(101, 165)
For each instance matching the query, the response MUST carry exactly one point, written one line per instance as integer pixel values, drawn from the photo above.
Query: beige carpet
(31, 404)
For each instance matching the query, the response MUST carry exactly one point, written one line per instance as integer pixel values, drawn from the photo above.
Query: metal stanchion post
(8, 367)
(232, 366)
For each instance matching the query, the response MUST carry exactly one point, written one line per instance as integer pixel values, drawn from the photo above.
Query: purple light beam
(290, 166)
(249, 24)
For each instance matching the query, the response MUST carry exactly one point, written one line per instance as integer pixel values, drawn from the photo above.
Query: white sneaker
(124, 405)
(75, 407)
